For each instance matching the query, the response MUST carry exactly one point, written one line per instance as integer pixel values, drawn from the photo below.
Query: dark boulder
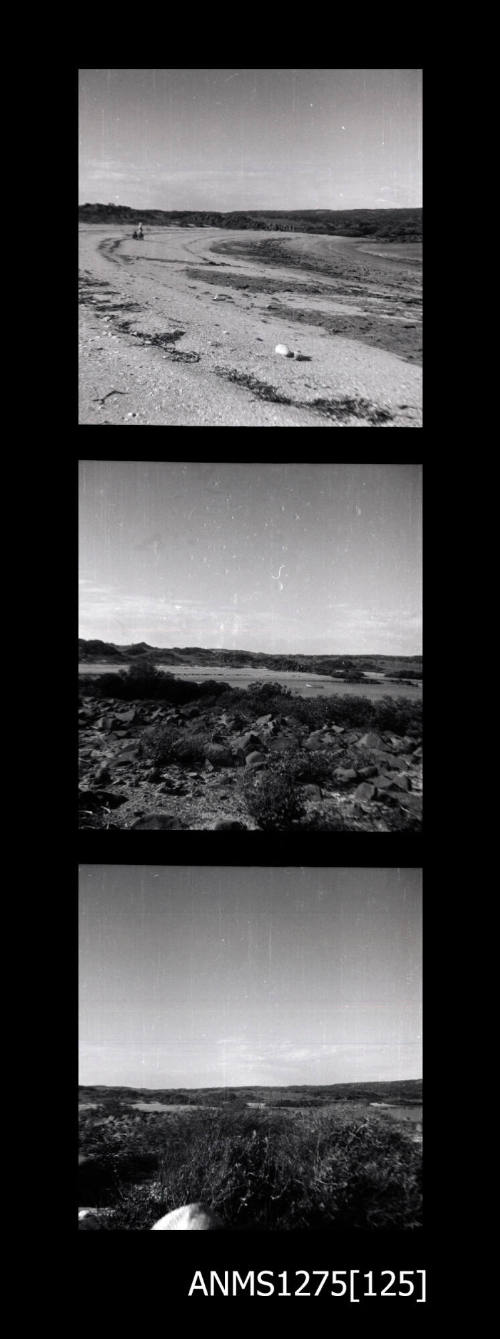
(364, 792)
(411, 803)
(384, 783)
(346, 775)
(401, 781)
(395, 782)
(248, 743)
(370, 741)
(219, 756)
(126, 717)
(384, 759)
(316, 740)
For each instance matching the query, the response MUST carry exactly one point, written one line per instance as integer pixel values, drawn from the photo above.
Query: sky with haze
(251, 139)
(260, 557)
(207, 976)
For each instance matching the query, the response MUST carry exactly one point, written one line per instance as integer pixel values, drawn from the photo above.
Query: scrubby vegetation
(167, 745)
(390, 224)
(272, 797)
(144, 680)
(260, 755)
(263, 1170)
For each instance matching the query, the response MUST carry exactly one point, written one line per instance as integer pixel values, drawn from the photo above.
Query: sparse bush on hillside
(158, 748)
(168, 745)
(267, 799)
(272, 797)
(314, 766)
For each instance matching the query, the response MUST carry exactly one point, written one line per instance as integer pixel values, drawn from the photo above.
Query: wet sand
(181, 329)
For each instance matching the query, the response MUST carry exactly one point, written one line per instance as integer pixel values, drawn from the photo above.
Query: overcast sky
(284, 558)
(242, 139)
(200, 977)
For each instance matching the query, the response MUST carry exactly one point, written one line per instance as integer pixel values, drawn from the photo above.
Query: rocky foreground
(149, 765)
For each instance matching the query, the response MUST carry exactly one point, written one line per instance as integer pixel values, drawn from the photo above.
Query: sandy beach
(181, 329)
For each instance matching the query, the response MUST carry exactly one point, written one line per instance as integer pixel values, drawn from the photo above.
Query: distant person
(139, 230)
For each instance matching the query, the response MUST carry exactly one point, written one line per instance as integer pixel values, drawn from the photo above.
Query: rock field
(365, 780)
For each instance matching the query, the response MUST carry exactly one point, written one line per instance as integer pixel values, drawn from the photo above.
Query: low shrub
(146, 680)
(312, 765)
(277, 1170)
(272, 797)
(171, 746)
(400, 716)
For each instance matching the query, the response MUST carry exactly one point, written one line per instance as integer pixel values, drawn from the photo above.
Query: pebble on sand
(284, 351)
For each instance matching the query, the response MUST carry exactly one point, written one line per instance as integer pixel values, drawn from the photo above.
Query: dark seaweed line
(102, 398)
(337, 410)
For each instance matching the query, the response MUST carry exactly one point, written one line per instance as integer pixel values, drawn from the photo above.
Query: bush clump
(144, 679)
(272, 797)
(312, 765)
(170, 746)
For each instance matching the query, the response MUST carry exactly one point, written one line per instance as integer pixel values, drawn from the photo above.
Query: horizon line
(225, 1087)
(249, 209)
(242, 650)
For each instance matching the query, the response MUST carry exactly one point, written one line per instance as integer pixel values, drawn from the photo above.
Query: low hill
(97, 650)
(198, 655)
(403, 1091)
(391, 225)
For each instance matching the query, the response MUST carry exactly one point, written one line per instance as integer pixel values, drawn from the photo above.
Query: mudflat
(181, 328)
